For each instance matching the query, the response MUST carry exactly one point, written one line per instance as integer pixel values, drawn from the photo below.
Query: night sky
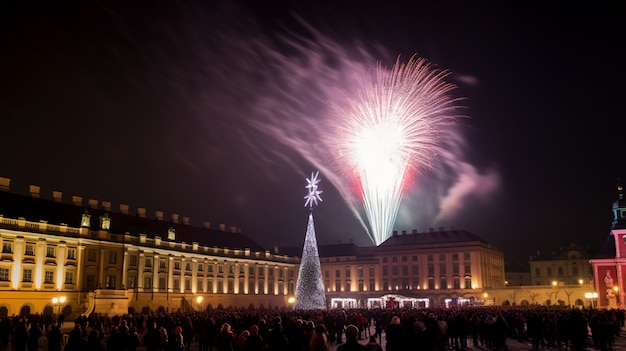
(215, 110)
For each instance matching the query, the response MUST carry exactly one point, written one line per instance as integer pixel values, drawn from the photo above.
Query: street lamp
(591, 296)
(199, 301)
(291, 300)
(59, 301)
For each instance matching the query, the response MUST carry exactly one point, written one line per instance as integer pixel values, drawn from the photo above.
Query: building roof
(607, 250)
(324, 250)
(438, 238)
(433, 237)
(36, 209)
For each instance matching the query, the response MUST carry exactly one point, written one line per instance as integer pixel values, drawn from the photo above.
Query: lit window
(69, 277)
(85, 221)
(28, 275)
(48, 277)
(7, 247)
(4, 274)
(71, 254)
(30, 250)
(105, 222)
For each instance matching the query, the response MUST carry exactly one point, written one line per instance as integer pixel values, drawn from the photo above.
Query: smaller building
(609, 264)
(569, 266)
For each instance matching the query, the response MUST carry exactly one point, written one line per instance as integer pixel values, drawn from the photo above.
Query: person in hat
(352, 344)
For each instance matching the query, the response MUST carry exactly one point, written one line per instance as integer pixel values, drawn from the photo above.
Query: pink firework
(394, 125)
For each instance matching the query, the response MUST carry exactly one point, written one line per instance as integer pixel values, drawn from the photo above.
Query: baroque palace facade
(77, 258)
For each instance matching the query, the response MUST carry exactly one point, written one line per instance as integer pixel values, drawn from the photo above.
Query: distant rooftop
(34, 208)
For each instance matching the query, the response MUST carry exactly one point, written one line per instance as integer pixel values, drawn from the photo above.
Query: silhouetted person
(54, 337)
(34, 334)
(75, 341)
(93, 341)
(352, 344)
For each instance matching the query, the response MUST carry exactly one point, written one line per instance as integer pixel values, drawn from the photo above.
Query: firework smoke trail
(272, 94)
(396, 123)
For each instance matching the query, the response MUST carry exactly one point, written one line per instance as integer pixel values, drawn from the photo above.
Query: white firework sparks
(395, 124)
(314, 195)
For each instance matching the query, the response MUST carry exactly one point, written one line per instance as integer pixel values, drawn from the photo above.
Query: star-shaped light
(314, 195)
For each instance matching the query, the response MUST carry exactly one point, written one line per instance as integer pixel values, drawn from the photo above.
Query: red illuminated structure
(609, 264)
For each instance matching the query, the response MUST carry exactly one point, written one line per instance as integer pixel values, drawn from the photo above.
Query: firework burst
(394, 125)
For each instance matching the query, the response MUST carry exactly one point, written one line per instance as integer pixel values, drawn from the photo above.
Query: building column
(155, 272)
(40, 255)
(170, 274)
(265, 279)
(124, 269)
(140, 270)
(246, 276)
(183, 275)
(236, 280)
(60, 260)
(101, 270)
(620, 285)
(194, 275)
(80, 267)
(18, 254)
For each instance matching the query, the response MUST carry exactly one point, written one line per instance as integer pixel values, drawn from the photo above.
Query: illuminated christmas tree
(310, 290)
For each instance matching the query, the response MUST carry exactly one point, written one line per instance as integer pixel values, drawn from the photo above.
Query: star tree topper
(314, 195)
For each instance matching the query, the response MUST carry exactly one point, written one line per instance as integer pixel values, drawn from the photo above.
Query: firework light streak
(395, 124)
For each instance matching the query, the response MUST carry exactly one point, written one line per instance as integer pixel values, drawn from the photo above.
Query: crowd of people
(431, 329)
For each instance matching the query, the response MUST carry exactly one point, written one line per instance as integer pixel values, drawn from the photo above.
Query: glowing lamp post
(291, 300)
(58, 301)
(591, 296)
(199, 301)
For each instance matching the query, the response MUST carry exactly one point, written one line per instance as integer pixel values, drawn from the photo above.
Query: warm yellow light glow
(554, 283)
(615, 288)
(55, 300)
(199, 299)
(62, 299)
(485, 295)
(580, 281)
(291, 299)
